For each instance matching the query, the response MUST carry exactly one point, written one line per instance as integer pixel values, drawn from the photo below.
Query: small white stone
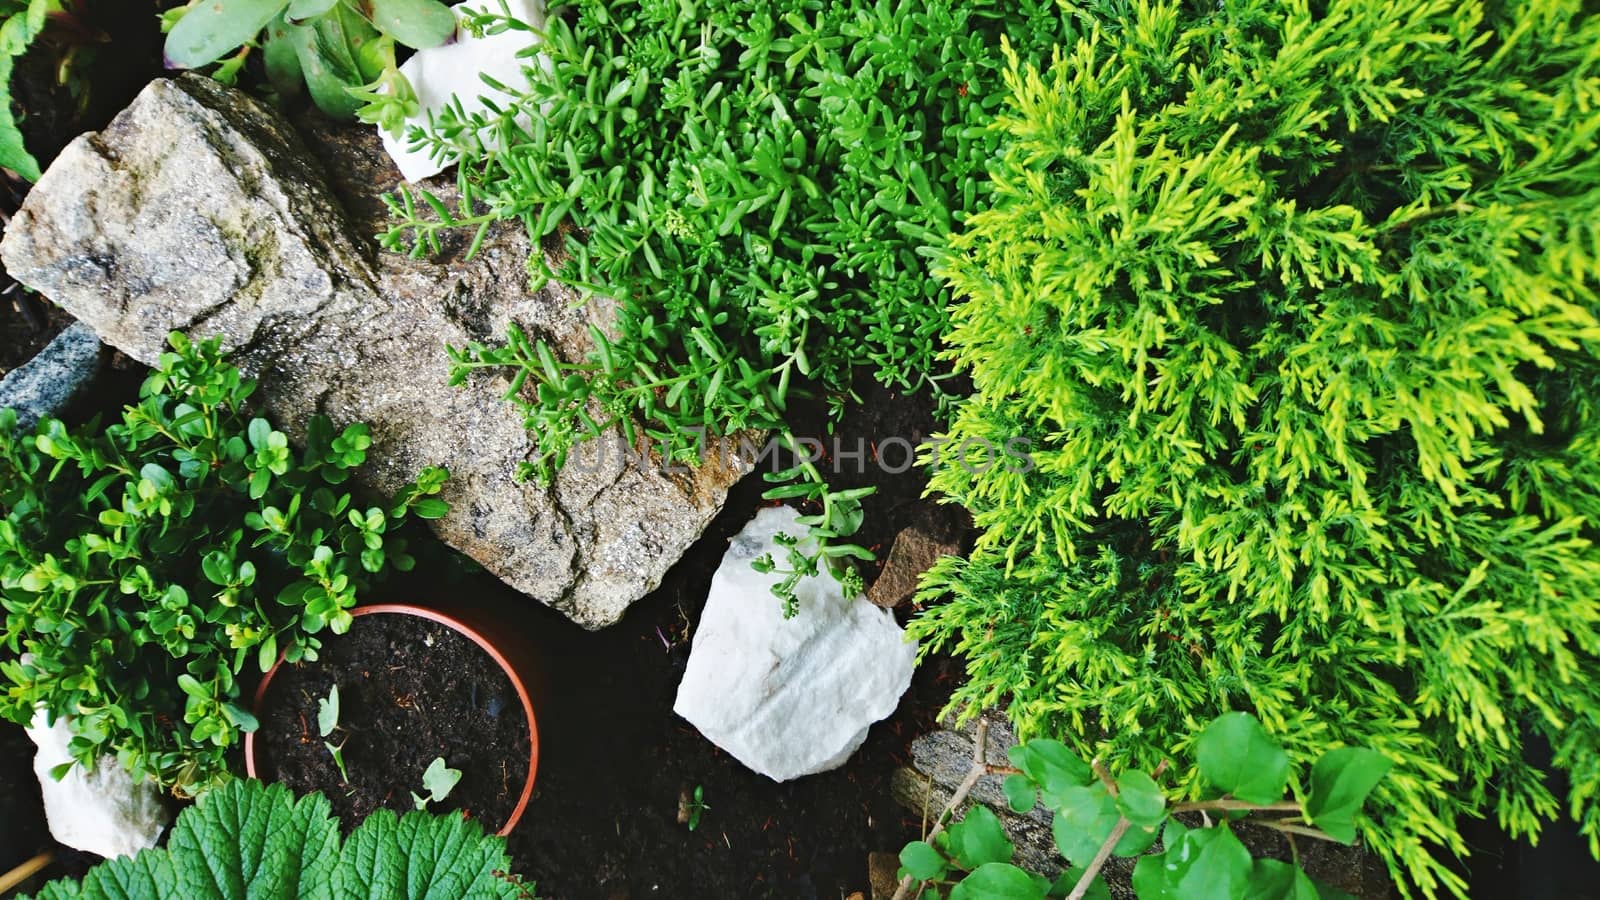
(789, 697)
(103, 811)
(441, 73)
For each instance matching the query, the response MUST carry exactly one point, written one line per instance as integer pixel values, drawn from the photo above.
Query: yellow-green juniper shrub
(1296, 303)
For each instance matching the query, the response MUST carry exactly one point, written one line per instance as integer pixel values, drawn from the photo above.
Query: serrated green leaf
(147, 875)
(422, 857)
(250, 840)
(246, 839)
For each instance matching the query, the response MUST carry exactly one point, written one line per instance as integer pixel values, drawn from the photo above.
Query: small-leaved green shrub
(144, 565)
(343, 51)
(1246, 775)
(1297, 304)
(751, 181)
(247, 839)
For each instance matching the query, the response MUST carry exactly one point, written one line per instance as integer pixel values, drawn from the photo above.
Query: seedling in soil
(439, 780)
(338, 759)
(327, 721)
(328, 712)
(690, 809)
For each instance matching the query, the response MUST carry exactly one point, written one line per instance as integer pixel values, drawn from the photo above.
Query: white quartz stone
(103, 811)
(439, 73)
(789, 697)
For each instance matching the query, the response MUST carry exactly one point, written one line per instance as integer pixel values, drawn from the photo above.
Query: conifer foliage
(1297, 304)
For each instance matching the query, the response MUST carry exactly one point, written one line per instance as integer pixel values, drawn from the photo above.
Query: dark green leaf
(1020, 793)
(1141, 800)
(979, 838)
(922, 861)
(1084, 821)
(1239, 758)
(999, 881)
(1340, 783)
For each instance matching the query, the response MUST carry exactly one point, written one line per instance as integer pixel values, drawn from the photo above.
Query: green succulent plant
(343, 51)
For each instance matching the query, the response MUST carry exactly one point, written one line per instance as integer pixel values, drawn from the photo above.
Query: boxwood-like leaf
(1052, 766)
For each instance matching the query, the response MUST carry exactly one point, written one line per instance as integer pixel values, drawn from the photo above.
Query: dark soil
(22, 826)
(410, 691)
(616, 762)
(27, 324)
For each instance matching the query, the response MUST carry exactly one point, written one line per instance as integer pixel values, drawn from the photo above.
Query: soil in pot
(410, 691)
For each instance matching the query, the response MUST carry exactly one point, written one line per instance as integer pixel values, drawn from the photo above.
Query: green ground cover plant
(146, 564)
(1297, 305)
(1094, 817)
(247, 839)
(341, 51)
(751, 180)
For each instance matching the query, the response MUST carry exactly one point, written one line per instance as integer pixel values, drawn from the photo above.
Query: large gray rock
(59, 376)
(201, 211)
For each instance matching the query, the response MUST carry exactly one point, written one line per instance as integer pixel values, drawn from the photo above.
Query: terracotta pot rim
(465, 630)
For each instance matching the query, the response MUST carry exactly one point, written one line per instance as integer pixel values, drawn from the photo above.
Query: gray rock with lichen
(201, 211)
(56, 378)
